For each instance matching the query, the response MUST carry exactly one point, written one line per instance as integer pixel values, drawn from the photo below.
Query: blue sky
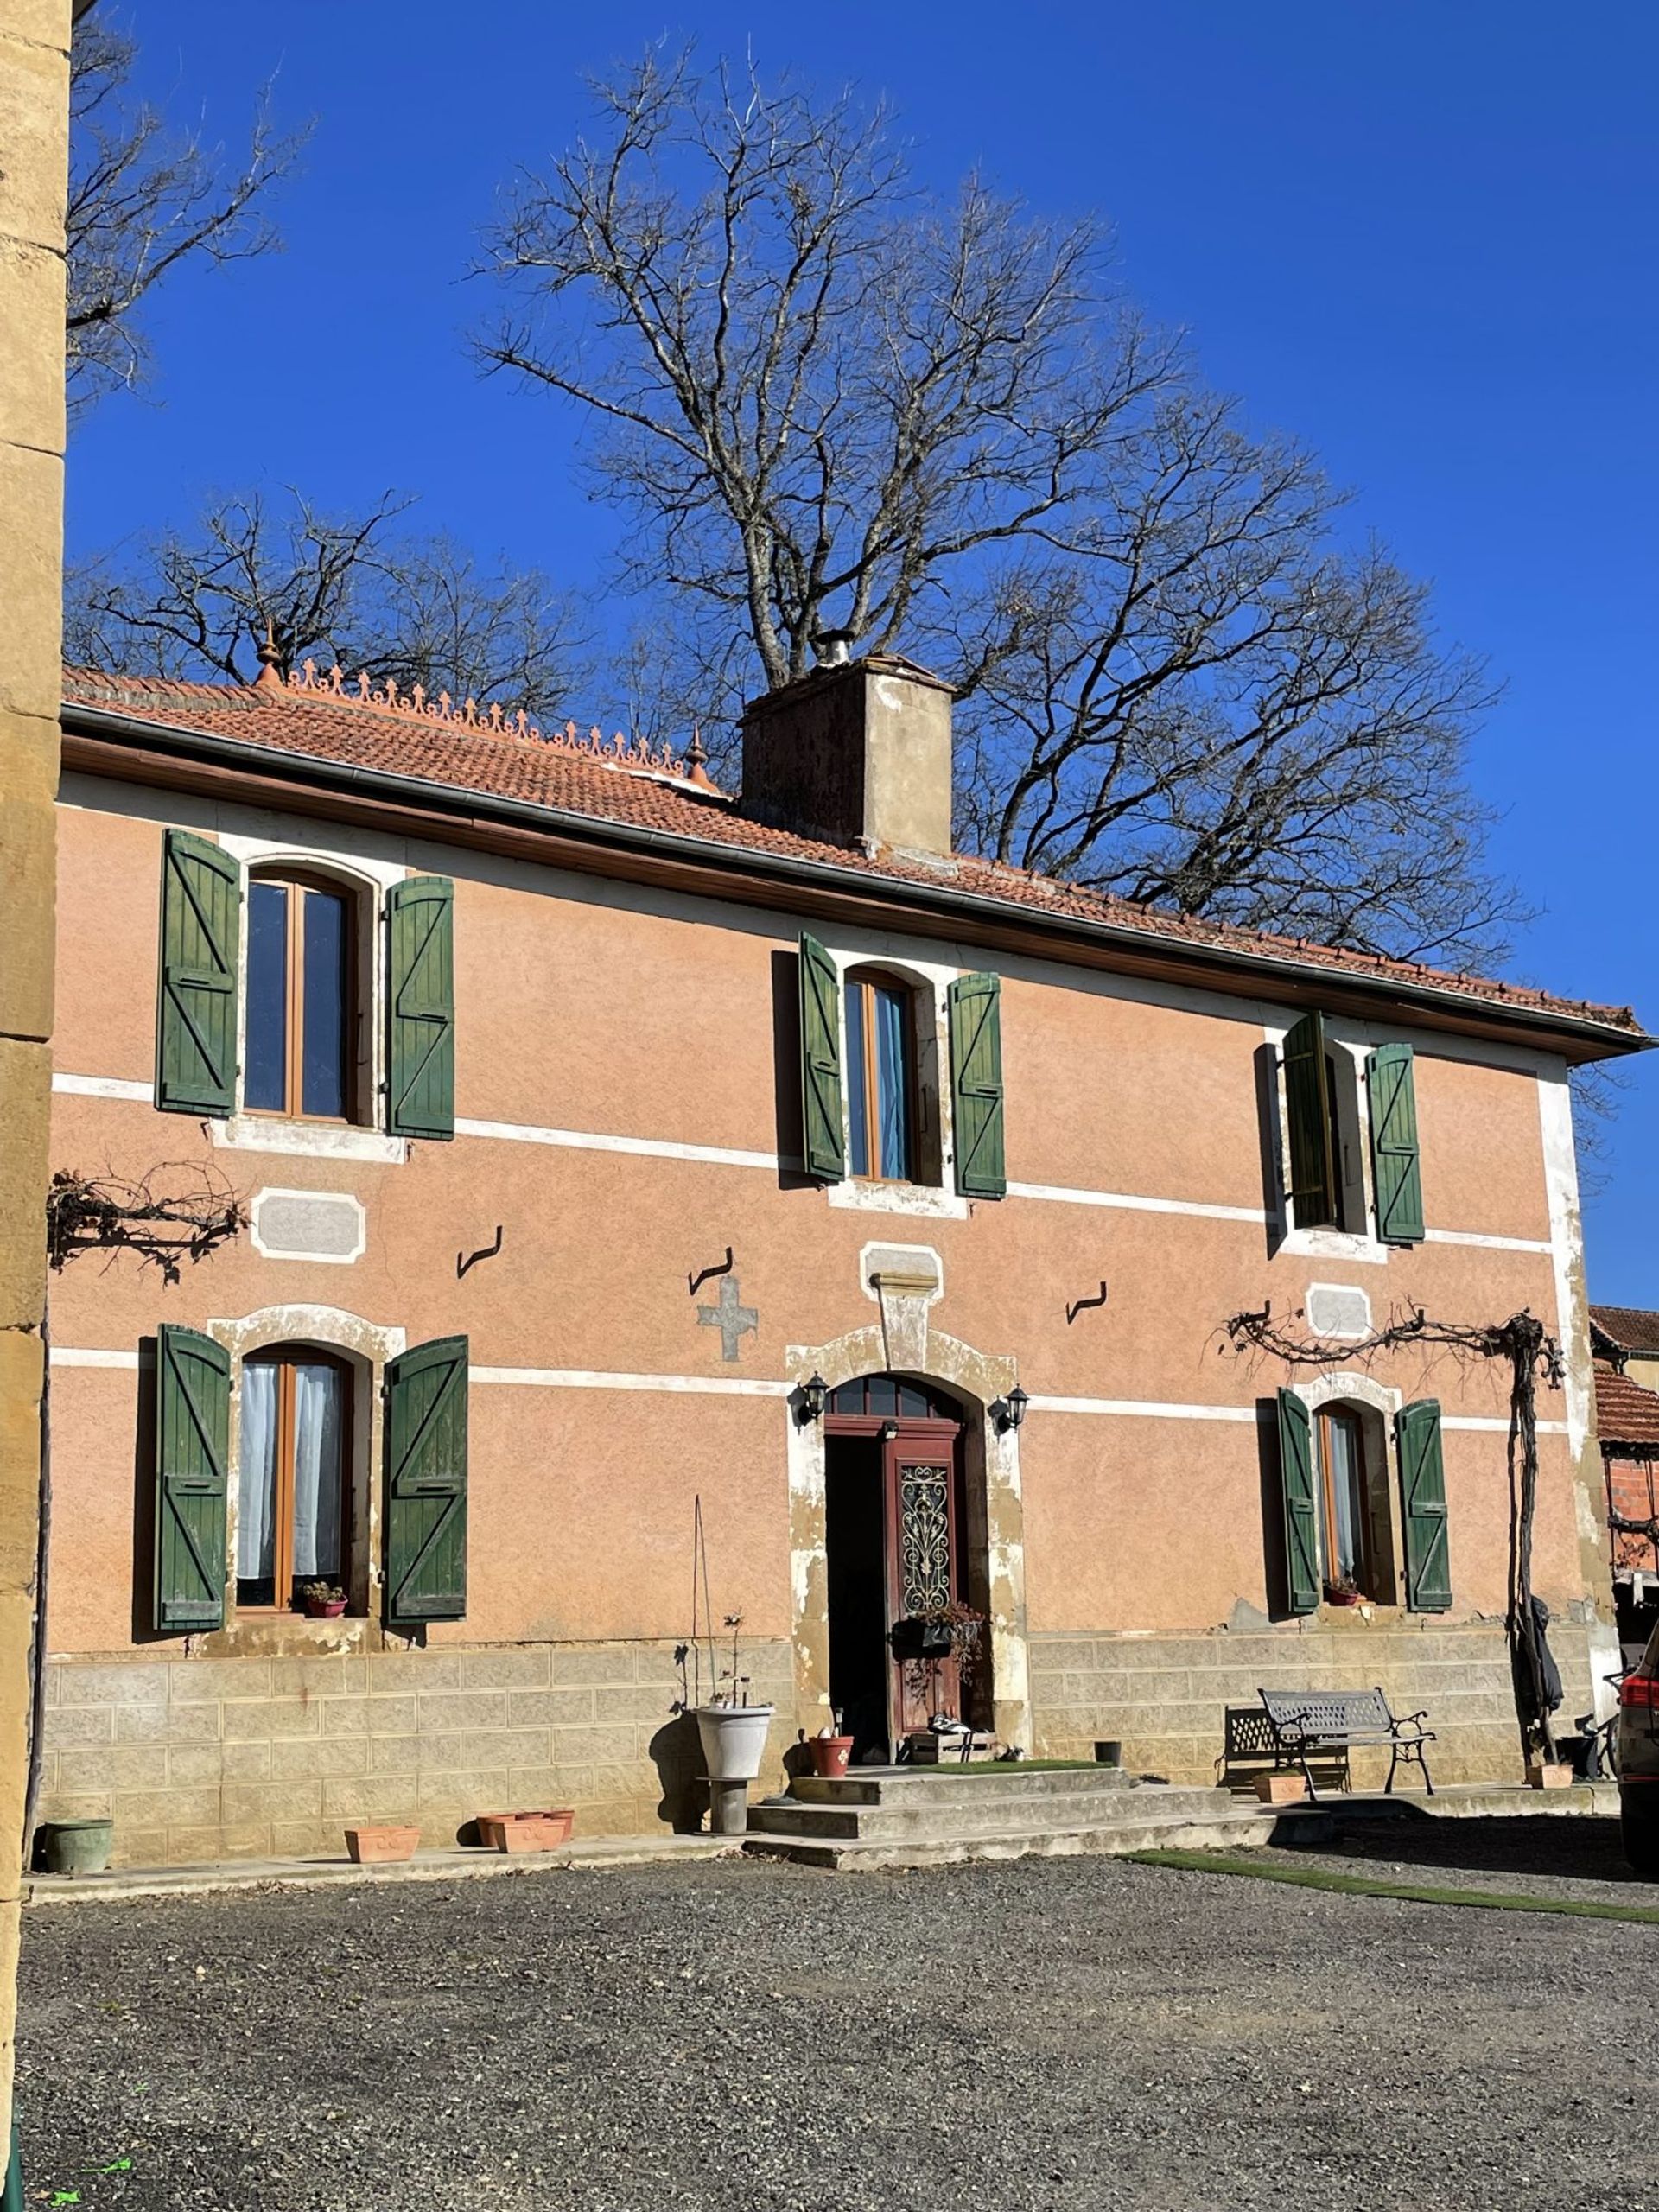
(1423, 238)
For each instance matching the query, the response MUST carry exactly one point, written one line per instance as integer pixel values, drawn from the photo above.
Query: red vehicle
(1638, 1762)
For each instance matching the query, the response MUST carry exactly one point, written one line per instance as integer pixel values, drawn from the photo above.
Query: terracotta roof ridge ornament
(270, 676)
(634, 755)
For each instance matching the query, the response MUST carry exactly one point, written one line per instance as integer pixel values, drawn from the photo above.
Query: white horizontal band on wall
(1489, 1244)
(1057, 1193)
(1149, 1408)
(103, 1086)
(734, 1386)
(1495, 1425)
(645, 1148)
(715, 1155)
(582, 1378)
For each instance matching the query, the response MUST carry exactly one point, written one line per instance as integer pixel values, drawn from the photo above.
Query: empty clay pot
(381, 1847)
(526, 1831)
(831, 1754)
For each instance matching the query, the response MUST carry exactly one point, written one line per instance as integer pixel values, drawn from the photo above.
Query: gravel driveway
(1072, 2034)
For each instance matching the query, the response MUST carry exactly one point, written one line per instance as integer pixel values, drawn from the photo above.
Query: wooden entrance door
(918, 1436)
(924, 1557)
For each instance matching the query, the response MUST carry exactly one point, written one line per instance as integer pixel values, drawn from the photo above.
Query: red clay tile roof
(1625, 1412)
(1632, 1328)
(323, 718)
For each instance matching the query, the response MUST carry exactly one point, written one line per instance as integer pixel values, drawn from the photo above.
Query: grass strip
(1364, 1885)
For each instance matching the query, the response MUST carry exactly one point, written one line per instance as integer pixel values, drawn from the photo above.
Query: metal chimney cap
(831, 647)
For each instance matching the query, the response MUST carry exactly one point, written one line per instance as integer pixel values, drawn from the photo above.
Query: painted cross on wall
(730, 1316)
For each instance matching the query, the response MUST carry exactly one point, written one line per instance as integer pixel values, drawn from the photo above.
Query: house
(1625, 1339)
(613, 1150)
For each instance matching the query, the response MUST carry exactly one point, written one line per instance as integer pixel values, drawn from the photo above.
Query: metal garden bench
(1309, 1725)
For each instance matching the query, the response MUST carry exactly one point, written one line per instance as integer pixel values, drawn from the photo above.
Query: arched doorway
(901, 1543)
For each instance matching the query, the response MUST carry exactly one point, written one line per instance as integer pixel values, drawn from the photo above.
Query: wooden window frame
(867, 981)
(285, 1359)
(293, 1109)
(1364, 1560)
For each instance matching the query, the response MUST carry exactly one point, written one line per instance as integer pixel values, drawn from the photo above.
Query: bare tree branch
(201, 603)
(141, 201)
(825, 401)
(1523, 1346)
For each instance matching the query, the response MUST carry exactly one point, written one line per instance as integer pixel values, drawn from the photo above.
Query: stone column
(35, 134)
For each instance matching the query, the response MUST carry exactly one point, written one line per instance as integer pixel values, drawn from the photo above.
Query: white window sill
(310, 1139)
(925, 1201)
(1331, 1244)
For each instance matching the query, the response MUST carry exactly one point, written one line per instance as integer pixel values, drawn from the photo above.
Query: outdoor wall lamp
(887, 1431)
(1010, 1412)
(815, 1396)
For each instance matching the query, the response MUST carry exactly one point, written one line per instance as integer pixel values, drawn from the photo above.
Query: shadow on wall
(1266, 1124)
(676, 1753)
(1275, 1569)
(789, 1135)
(144, 1630)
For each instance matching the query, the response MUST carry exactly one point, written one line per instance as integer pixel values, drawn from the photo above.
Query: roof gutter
(942, 899)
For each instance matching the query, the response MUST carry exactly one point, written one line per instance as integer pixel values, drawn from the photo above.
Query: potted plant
(323, 1601)
(1343, 1590)
(733, 1731)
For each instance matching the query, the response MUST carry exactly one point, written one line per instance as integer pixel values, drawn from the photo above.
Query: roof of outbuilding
(356, 723)
(1625, 1412)
(1632, 1328)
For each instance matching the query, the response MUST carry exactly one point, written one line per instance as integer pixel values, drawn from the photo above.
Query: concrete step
(917, 1814)
(1165, 1829)
(949, 1785)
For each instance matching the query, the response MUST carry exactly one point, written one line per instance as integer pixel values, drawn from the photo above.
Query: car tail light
(1639, 1693)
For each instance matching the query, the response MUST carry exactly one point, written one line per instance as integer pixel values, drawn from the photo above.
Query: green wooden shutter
(1302, 1578)
(421, 1048)
(1391, 1098)
(821, 1114)
(1313, 1194)
(196, 1018)
(426, 1458)
(192, 1431)
(1422, 1491)
(976, 1086)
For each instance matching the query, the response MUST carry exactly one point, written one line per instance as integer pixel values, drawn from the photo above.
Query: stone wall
(1164, 1697)
(201, 1759)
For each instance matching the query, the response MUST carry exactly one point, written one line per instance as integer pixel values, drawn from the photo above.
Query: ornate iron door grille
(923, 1538)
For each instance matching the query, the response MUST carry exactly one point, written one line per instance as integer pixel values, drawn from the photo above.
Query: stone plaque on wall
(327, 1225)
(1337, 1309)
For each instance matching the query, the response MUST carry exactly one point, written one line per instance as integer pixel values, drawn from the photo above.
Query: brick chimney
(858, 752)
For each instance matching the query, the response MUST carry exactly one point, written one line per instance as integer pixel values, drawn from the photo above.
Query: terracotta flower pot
(830, 1755)
(516, 1831)
(1342, 1598)
(381, 1847)
(325, 1609)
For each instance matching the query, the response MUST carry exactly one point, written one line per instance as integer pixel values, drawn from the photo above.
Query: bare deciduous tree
(142, 200)
(201, 603)
(828, 404)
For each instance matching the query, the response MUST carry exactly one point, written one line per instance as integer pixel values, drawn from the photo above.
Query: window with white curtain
(294, 1518)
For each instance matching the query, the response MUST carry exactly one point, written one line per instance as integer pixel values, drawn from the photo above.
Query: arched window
(298, 1058)
(883, 1092)
(1356, 1529)
(294, 1482)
